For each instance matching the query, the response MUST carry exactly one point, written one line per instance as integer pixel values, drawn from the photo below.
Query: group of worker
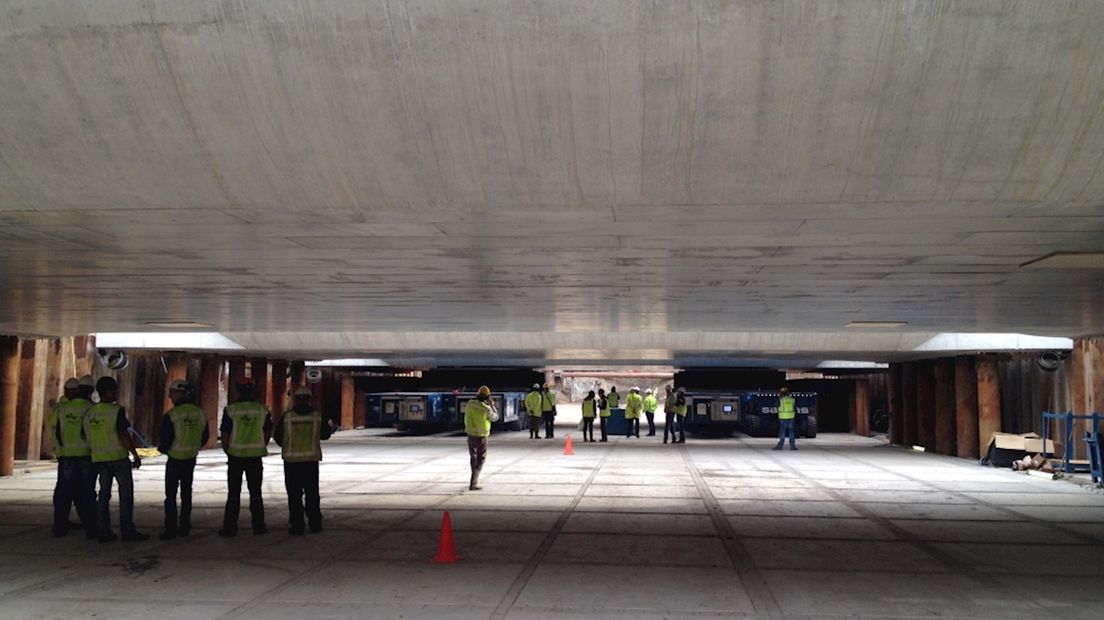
(94, 442)
(540, 404)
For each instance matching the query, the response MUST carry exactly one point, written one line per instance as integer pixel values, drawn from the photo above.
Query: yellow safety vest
(188, 422)
(247, 431)
(477, 420)
(69, 416)
(548, 401)
(533, 403)
(588, 408)
(650, 403)
(633, 405)
(302, 437)
(614, 399)
(102, 434)
(786, 408)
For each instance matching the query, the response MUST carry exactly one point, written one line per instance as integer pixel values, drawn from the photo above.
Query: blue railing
(1067, 419)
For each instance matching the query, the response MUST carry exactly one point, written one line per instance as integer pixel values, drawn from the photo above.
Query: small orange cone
(567, 446)
(446, 548)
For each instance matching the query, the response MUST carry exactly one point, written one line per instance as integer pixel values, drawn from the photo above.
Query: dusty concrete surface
(845, 527)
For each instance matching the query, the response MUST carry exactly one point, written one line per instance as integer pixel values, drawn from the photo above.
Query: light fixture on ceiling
(179, 324)
(1067, 260)
(875, 324)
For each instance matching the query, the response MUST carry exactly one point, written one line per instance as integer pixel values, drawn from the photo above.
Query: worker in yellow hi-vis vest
(533, 407)
(183, 432)
(299, 434)
(245, 430)
(786, 412)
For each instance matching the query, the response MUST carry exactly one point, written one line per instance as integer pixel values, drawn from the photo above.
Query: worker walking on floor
(108, 432)
(245, 430)
(533, 402)
(603, 412)
(669, 414)
(183, 432)
(786, 411)
(478, 415)
(650, 405)
(299, 434)
(75, 477)
(548, 411)
(589, 412)
(681, 408)
(633, 406)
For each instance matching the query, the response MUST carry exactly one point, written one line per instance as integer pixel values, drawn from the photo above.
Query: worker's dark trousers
(786, 429)
(549, 424)
(178, 474)
(651, 422)
(301, 481)
(76, 485)
(602, 425)
(253, 470)
(588, 424)
(119, 471)
(634, 427)
(669, 425)
(534, 427)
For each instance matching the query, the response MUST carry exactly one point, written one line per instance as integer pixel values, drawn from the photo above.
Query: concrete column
(277, 400)
(52, 385)
(258, 370)
(210, 374)
(925, 404)
(908, 402)
(360, 406)
(177, 369)
(1086, 381)
(989, 405)
(862, 407)
(896, 420)
(9, 386)
(966, 407)
(944, 407)
(348, 396)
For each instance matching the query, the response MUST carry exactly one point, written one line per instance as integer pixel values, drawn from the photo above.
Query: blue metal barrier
(1067, 419)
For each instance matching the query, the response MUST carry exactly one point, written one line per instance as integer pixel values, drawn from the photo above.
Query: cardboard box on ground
(1008, 448)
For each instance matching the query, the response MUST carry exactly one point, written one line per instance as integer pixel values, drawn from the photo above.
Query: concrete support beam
(945, 407)
(925, 404)
(908, 402)
(210, 375)
(348, 396)
(966, 408)
(1086, 386)
(9, 386)
(862, 407)
(896, 419)
(989, 404)
(278, 396)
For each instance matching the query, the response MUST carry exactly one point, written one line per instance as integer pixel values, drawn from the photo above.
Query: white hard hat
(634, 389)
(536, 386)
(72, 384)
(648, 391)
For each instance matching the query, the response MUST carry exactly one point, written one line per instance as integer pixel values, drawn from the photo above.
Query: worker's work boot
(474, 486)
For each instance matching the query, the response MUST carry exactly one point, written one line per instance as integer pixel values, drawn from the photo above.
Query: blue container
(616, 424)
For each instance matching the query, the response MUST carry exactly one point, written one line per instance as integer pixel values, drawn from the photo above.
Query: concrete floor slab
(808, 527)
(561, 537)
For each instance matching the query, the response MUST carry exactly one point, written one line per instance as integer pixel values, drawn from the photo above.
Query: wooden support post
(966, 407)
(28, 415)
(51, 392)
(177, 369)
(862, 407)
(360, 407)
(944, 407)
(258, 370)
(1086, 383)
(925, 404)
(9, 394)
(298, 369)
(84, 355)
(348, 396)
(210, 374)
(277, 400)
(237, 371)
(989, 404)
(908, 402)
(896, 421)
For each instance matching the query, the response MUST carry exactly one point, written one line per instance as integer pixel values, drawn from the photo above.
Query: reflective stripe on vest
(70, 416)
(102, 434)
(247, 433)
(302, 437)
(188, 422)
(786, 408)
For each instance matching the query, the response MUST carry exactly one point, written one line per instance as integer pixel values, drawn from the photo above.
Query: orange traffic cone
(567, 446)
(446, 548)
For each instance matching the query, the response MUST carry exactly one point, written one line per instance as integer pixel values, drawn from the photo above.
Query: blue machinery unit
(437, 411)
(1092, 441)
(753, 412)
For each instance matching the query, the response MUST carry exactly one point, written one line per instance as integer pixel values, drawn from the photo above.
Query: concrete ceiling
(552, 179)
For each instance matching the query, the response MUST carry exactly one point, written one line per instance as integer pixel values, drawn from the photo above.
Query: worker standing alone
(633, 406)
(603, 412)
(533, 407)
(650, 405)
(548, 411)
(786, 411)
(299, 434)
(478, 415)
(183, 432)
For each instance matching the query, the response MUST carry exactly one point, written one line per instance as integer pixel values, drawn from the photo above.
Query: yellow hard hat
(484, 390)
